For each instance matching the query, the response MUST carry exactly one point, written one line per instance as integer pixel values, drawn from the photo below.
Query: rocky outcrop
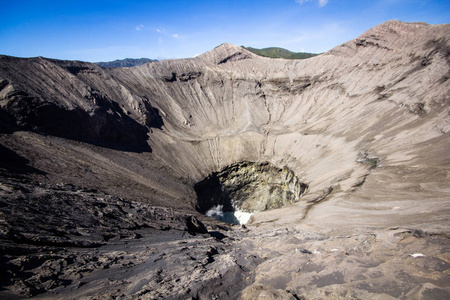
(364, 126)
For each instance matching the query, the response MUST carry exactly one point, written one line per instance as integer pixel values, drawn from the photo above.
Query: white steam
(236, 217)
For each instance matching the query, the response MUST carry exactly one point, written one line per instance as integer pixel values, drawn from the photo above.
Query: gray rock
(194, 226)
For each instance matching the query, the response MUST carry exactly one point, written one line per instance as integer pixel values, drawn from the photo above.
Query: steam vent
(229, 175)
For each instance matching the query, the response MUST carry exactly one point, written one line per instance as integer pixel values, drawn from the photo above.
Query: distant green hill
(127, 62)
(276, 52)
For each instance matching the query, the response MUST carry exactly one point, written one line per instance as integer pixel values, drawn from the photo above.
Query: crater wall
(383, 96)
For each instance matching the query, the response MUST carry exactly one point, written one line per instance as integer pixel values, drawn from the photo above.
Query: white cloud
(158, 30)
(322, 3)
(139, 27)
(175, 35)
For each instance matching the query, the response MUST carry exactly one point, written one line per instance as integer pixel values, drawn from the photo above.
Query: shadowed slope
(74, 100)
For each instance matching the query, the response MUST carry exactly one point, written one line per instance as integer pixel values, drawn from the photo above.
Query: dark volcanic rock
(67, 215)
(194, 226)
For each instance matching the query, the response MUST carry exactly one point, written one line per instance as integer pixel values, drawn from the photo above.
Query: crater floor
(106, 174)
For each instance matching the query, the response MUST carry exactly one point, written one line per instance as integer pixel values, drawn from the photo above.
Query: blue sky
(106, 30)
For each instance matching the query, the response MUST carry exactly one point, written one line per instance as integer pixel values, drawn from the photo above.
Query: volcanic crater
(110, 177)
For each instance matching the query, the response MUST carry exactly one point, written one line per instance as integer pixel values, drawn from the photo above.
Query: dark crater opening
(234, 193)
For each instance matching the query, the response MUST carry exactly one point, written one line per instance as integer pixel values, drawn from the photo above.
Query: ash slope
(364, 125)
